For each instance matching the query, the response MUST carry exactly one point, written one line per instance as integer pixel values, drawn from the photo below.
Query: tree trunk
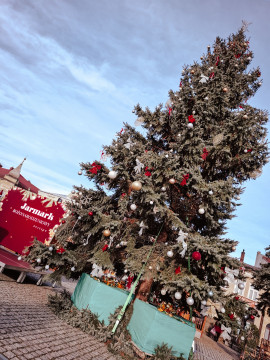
(143, 290)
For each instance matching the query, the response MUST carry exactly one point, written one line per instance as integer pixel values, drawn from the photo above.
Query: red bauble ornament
(90, 213)
(231, 316)
(60, 251)
(196, 255)
(63, 221)
(236, 298)
(252, 317)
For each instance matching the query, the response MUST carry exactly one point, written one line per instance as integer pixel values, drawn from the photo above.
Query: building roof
(21, 181)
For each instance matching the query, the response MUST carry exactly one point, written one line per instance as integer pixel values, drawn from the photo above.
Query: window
(252, 294)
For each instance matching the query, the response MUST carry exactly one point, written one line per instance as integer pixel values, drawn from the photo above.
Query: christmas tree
(262, 283)
(163, 203)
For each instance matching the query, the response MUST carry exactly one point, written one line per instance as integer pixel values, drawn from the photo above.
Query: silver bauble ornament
(73, 268)
(79, 172)
(210, 293)
(206, 98)
(136, 185)
(163, 292)
(151, 202)
(190, 125)
(163, 188)
(178, 295)
(112, 174)
(133, 207)
(50, 248)
(201, 211)
(241, 286)
(47, 267)
(38, 260)
(190, 301)
(170, 253)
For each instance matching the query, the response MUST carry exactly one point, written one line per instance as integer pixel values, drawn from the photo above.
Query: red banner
(24, 216)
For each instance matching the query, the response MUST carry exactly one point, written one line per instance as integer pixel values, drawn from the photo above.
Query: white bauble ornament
(223, 310)
(47, 267)
(249, 58)
(125, 271)
(163, 292)
(163, 188)
(238, 198)
(245, 151)
(190, 125)
(172, 181)
(203, 302)
(206, 98)
(260, 84)
(201, 211)
(19, 258)
(245, 116)
(242, 338)
(233, 248)
(179, 135)
(151, 202)
(50, 248)
(80, 193)
(79, 217)
(38, 260)
(170, 253)
(166, 155)
(136, 185)
(210, 192)
(150, 267)
(241, 286)
(73, 268)
(112, 174)
(79, 172)
(178, 295)
(133, 207)
(210, 293)
(190, 301)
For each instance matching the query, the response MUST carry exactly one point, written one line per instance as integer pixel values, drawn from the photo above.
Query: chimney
(242, 256)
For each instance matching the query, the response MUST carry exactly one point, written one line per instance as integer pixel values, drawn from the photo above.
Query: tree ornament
(201, 211)
(245, 116)
(79, 172)
(178, 295)
(203, 79)
(142, 227)
(150, 267)
(163, 292)
(260, 84)
(190, 301)
(106, 232)
(133, 207)
(241, 286)
(139, 166)
(206, 98)
(170, 253)
(233, 248)
(72, 269)
(139, 121)
(190, 125)
(90, 213)
(73, 192)
(252, 317)
(246, 317)
(196, 255)
(203, 302)
(231, 316)
(105, 247)
(172, 181)
(38, 260)
(177, 270)
(242, 338)
(163, 188)
(151, 202)
(223, 310)
(63, 221)
(225, 90)
(47, 267)
(210, 293)
(136, 185)
(238, 198)
(210, 192)
(236, 298)
(125, 271)
(112, 174)
(19, 258)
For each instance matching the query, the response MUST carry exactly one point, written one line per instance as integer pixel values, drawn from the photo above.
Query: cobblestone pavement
(208, 349)
(29, 330)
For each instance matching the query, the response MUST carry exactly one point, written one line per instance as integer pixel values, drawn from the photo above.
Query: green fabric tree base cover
(148, 327)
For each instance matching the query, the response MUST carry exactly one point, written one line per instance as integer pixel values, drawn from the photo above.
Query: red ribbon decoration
(147, 173)
(231, 316)
(191, 119)
(170, 110)
(205, 154)
(217, 61)
(212, 75)
(95, 168)
(249, 150)
(180, 85)
(184, 181)
(129, 281)
(105, 247)
(177, 270)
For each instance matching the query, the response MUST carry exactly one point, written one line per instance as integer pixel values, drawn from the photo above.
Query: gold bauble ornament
(225, 90)
(136, 185)
(172, 181)
(106, 232)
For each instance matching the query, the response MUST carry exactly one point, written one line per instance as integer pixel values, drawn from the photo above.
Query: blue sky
(71, 72)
